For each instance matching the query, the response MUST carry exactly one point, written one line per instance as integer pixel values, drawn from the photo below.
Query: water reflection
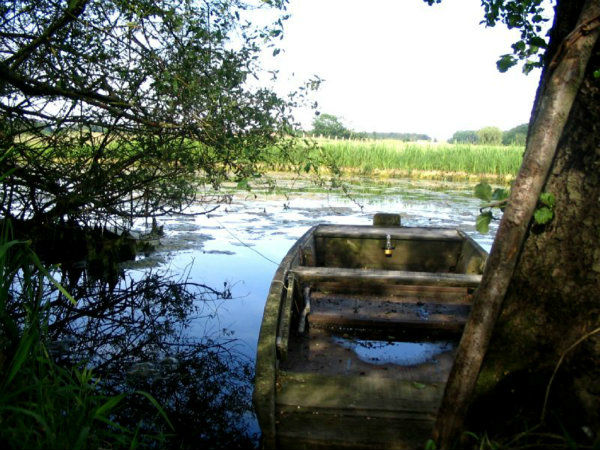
(135, 334)
(398, 353)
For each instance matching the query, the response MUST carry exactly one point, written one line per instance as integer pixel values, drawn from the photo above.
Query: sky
(404, 66)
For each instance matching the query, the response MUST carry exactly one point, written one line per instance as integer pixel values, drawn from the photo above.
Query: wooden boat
(359, 334)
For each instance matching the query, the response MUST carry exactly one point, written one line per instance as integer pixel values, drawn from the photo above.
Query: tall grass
(371, 156)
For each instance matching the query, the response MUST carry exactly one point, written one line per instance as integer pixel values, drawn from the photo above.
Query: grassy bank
(389, 158)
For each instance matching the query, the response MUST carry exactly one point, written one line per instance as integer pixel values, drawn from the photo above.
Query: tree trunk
(554, 295)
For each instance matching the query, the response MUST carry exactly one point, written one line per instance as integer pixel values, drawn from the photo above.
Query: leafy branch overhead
(498, 198)
(528, 17)
(123, 109)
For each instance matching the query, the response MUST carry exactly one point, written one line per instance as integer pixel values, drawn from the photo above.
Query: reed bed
(381, 157)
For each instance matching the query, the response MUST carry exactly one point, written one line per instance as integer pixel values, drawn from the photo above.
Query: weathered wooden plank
(386, 220)
(390, 322)
(390, 315)
(266, 360)
(369, 253)
(373, 276)
(448, 295)
(472, 256)
(358, 395)
(406, 233)
(299, 431)
(285, 317)
(403, 292)
(308, 253)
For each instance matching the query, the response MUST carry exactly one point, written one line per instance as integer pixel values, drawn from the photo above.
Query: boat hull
(359, 333)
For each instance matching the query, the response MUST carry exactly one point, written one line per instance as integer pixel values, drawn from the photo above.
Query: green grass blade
(21, 355)
(50, 278)
(38, 418)
(107, 406)
(157, 406)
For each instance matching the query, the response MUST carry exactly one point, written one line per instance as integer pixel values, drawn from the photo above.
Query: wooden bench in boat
(394, 277)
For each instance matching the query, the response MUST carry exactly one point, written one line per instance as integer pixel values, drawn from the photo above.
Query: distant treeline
(330, 126)
(406, 137)
(492, 136)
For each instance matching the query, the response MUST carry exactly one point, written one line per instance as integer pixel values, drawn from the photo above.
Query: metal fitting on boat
(388, 246)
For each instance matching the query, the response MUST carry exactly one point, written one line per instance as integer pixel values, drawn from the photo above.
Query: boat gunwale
(263, 396)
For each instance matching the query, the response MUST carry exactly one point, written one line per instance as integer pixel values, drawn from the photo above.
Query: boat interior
(369, 323)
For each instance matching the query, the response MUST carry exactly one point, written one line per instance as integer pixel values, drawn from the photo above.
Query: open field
(390, 158)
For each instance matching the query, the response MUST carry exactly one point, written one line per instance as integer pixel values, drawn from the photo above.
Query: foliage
(527, 16)
(492, 136)
(545, 211)
(516, 135)
(113, 108)
(44, 404)
(330, 126)
(489, 136)
(498, 198)
(494, 199)
(465, 137)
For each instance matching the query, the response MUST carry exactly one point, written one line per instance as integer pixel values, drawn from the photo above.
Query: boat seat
(377, 277)
(341, 311)
(387, 299)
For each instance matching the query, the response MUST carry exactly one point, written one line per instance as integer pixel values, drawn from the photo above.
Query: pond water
(238, 246)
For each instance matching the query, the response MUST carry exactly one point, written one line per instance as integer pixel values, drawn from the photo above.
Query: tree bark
(561, 84)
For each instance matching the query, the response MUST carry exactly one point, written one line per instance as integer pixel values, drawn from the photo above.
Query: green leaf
(43, 424)
(543, 215)
(25, 344)
(506, 62)
(483, 191)
(500, 194)
(155, 403)
(430, 445)
(105, 409)
(529, 66)
(418, 385)
(537, 19)
(50, 278)
(7, 245)
(519, 46)
(482, 223)
(597, 73)
(537, 41)
(547, 199)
